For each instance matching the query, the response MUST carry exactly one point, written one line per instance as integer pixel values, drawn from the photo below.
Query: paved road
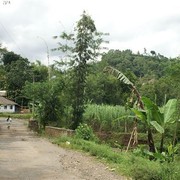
(25, 156)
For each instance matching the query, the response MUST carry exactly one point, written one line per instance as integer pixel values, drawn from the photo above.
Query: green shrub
(85, 132)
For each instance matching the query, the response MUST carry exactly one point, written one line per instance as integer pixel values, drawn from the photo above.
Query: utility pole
(33, 97)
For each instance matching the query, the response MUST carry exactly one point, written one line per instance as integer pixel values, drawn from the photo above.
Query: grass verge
(127, 164)
(18, 116)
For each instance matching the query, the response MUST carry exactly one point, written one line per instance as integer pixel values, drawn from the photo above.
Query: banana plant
(169, 111)
(156, 117)
(149, 112)
(120, 76)
(151, 116)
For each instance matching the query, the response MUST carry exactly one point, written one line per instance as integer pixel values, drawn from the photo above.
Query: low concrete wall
(56, 132)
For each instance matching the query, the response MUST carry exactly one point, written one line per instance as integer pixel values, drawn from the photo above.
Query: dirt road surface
(25, 156)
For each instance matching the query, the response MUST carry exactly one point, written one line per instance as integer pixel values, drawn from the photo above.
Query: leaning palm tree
(120, 76)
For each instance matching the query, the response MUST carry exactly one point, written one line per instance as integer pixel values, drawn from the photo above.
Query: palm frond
(118, 74)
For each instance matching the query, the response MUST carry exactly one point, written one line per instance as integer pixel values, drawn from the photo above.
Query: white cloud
(132, 24)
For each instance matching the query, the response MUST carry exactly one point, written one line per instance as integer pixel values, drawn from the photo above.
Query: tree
(17, 75)
(10, 57)
(153, 53)
(2, 78)
(39, 72)
(85, 48)
(2, 52)
(47, 98)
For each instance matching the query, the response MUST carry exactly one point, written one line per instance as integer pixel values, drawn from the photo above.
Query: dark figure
(9, 120)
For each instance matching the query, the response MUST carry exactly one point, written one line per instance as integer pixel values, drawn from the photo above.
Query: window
(11, 106)
(5, 107)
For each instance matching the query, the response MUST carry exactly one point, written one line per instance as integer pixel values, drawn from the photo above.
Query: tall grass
(107, 118)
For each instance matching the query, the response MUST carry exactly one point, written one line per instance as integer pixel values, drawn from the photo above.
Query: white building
(7, 106)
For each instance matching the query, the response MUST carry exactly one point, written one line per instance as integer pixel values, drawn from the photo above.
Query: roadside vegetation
(18, 116)
(124, 108)
(104, 118)
(134, 164)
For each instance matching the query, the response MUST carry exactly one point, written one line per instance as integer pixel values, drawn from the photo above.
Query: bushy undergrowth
(128, 164)
(85, 132)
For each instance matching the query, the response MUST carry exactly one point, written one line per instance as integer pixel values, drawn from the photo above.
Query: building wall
(7, 108)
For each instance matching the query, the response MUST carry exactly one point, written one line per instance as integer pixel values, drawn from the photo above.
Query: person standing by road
(9, 120)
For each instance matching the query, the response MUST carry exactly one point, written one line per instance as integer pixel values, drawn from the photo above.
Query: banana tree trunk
(162, 143)
(151, 141)
(175, 135)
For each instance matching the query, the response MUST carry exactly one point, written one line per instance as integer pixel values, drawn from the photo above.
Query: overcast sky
(26, 26)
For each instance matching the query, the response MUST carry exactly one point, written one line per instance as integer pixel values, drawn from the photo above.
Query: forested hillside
(154, 75)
